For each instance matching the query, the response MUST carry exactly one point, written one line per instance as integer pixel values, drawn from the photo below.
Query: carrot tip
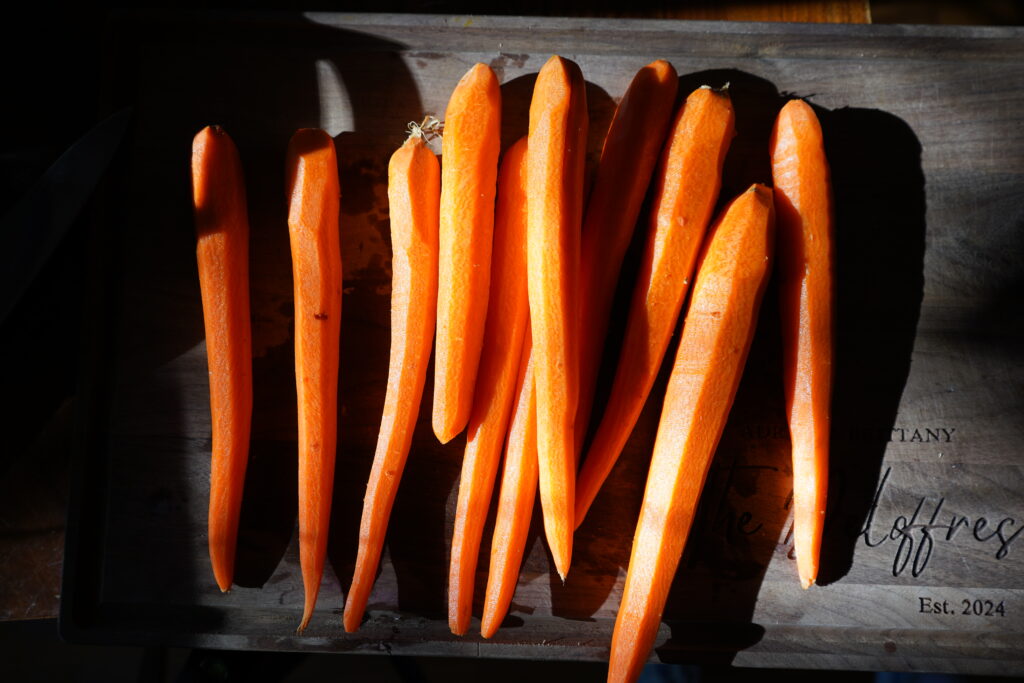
(430, 127)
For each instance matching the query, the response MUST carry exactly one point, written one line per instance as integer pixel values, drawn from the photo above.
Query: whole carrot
(507, 316)
(470, 146)
(716, 338)
(222, 253)
(687, 188)
(414, 180)
(555, 161)
(803, 204)
(635, 137)
(313, 209)
(515, 504)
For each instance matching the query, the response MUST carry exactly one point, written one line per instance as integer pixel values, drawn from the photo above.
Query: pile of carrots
(507, 272)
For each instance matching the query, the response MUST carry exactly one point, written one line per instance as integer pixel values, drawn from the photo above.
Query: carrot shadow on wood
(879, 191)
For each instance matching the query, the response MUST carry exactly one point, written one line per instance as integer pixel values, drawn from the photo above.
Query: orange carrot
(507, 316)
(222, 252)
(716, 337)
(803, 201)
(470, 146)
(414, 186)
(316, 266)
(630, 151)
(558, 137)
(515, 505)
(687, 188)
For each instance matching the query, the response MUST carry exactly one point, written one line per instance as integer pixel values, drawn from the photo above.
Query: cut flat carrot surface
(716, 338)
(803, 202)
(555, 160)
(222, 253)
(414, 186)
(470, 147)
(635, 138)
(507, 316)
(515, 503)
(313, 210)
(687, 188)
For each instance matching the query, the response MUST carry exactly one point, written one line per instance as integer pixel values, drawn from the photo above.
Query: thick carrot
(507, 316)
(414, 187)
(316, 267)
(515, 504)
(631, 148)
(222, 252)
(716, 337)
(687, 188)
(470, 146)
(558, 136)
(803, 202)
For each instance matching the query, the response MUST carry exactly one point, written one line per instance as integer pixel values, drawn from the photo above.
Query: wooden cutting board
(923, 560)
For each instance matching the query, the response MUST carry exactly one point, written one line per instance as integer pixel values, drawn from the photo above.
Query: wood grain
(928, 379)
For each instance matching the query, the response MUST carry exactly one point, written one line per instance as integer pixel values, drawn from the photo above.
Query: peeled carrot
(414, 186)
(222, 252)
(716, 338)
(558, 140)
(631, 148)
(803, 202)
(315, 196)
(687, 188)
(470, 146)
(507, 315)
(515, 504)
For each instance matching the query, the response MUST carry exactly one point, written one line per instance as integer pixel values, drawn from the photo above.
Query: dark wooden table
(922, 567)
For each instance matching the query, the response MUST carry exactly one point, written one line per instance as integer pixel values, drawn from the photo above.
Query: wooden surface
(927, 500)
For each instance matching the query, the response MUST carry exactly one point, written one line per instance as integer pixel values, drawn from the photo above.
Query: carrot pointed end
(351, 620)
(487, 628)
(457, 629)
(807, 581)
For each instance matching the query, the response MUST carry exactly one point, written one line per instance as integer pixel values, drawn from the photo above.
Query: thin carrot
(687, 188)
(222, 252)
(414, 187)
(558, 140)
(515, 504)
(315, 196)
(716, 338)
(803, 201)
(470, 146)
(635, 137)
(507, 316)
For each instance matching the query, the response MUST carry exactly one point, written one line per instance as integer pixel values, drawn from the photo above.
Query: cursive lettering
(916, 531)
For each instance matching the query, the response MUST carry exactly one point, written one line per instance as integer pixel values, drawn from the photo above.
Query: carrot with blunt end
(470, 146)
(222, 252)
(507, 316)
(635, 138)
(414, 186)
(515, 504)
(687, 188)
(315, 197)
(803, 202)
(716, 338)
(555, 161)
